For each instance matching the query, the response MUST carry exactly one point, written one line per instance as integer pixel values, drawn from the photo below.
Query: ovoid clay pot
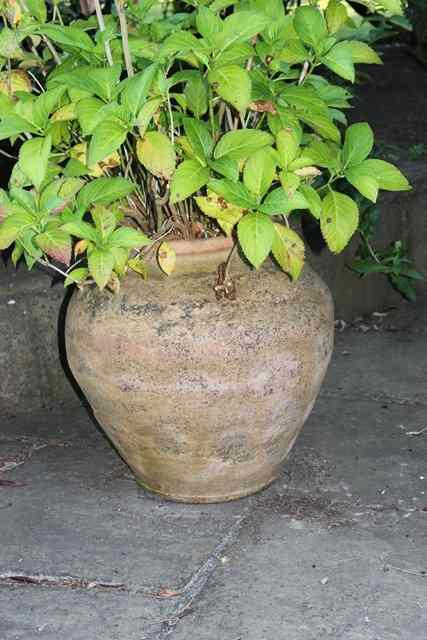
(202, 398)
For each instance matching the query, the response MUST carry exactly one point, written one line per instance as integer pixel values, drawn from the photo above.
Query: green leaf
(107, 137)
(45, 104)
(208, 23)
(37, 9)
(259, 171)
(290, 182)
(336, 15)
(303, 98)
(156, 153)
(358, 144)
(89, 114)
(146, 114)
(322, 125)
(363, 53)
(55, 242)
(196, 94)
(68, 37)
(4, 204)
(404, 286)
(13, 125)
(199, 137)
(293, 52)
(339, 220)
(255, 232)
(279, 203)
(216, 207)
(9, 43)
(239, 145)
(226, 167)
(287, 142)
(76, 276)
(121, 257)
(81, 229)
(102, 82)
(363, 181)
(187, 179)
(180, 43)
(339, 59)
(105, 220)
(234, 193)
(137, 88)
(310, 25)
(387, 175)
(101, 265)
(233, 84)
(236, 54)
(128, 238)
(395, 7)
(34, 157)
(104, 191)
(13, 226)
(313, 200)
(289, 250)
(241, 27)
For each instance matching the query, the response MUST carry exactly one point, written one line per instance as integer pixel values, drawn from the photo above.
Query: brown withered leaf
(11, 483)
(164, 592)
(263, 106)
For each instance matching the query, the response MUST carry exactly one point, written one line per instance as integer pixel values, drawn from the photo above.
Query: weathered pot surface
(203, 398)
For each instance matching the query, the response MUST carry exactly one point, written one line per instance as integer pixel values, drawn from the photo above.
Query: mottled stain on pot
(203, 399)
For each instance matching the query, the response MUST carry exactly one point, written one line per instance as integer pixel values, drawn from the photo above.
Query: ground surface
(334, 549)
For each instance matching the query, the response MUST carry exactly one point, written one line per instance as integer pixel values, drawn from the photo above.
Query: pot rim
(201, 247)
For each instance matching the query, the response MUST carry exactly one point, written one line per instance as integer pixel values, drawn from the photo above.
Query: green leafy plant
(144, 125)
(393, 261)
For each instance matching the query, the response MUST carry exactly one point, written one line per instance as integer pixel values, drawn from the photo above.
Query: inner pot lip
(200, 246)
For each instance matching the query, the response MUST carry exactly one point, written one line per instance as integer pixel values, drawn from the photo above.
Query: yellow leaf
(13, 12)
(19, 81)
(65, 113)
(156, 153)
(79, 152)
(139, 266)
(214, 206)
(80, 247)
(167, 258)
(289, 250)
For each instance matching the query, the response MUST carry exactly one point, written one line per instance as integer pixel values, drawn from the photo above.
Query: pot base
(194, 499)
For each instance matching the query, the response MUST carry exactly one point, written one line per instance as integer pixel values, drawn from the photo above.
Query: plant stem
(9, 78)
(125, 37)
(172, 125)
(36, 81)
(52, 49)
(101, 24)
(45, 263)
(228, 262)
(369, 247)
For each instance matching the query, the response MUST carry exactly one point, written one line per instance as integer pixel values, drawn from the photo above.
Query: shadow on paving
(333, 549)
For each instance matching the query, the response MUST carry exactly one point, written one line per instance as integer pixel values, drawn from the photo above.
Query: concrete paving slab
(31, 613)
(77, 510)
(334, 549)
(379, 365)
(299, 582)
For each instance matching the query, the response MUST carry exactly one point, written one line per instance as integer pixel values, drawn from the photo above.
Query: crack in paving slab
(70, 582)
(182, 598)
(374, 397)
(196, 584)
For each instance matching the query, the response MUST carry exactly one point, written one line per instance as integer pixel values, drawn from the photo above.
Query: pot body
(203, 398)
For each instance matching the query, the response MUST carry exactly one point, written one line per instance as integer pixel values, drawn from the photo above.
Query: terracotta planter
(203, 399)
